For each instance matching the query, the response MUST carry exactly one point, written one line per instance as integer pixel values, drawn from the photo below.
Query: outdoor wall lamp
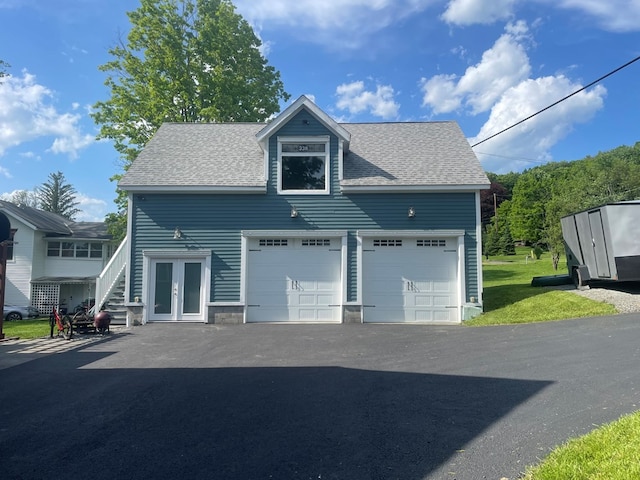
(294, 212)
(412, 212)
(177, 234)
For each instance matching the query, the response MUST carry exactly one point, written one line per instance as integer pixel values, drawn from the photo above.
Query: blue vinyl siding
(215, 222)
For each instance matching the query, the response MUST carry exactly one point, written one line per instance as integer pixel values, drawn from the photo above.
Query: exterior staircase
(115, 304)
(111, 284)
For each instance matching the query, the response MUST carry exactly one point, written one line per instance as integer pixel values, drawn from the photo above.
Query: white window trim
(168, 254)
(327, 163)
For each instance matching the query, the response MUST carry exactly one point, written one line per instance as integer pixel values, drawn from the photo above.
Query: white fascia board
(303, 102)
(175, 253)
(480, 279)
(82, 239)
(341, 144)
(411, 233)
(136, 189)
(293, 233)
(19, 219)
(410, 188)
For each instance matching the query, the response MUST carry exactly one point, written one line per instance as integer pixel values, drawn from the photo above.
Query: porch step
(115, 304)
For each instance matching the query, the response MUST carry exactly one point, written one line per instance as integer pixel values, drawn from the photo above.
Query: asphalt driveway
(313, 401)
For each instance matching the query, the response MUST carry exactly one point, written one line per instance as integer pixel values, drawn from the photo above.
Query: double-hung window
(303, 165)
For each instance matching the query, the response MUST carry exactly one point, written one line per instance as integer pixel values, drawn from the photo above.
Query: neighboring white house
(51, 259)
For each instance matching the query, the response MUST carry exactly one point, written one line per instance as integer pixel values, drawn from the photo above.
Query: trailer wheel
(576, 276)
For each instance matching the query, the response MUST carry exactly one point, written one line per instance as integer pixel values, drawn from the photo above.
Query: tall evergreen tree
(57, 196)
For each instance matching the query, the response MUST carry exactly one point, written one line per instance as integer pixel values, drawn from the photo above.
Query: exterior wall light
(294, 212)
(412, 212)
(177, 234)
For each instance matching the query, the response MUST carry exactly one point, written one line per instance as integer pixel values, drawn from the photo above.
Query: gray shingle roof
(54, 224)
(199, 155)
(410, 154)
(208, 156)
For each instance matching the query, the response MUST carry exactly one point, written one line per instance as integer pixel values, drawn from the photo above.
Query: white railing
(111, 274)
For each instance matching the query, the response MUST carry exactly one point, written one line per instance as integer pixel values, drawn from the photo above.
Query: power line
(559, 101)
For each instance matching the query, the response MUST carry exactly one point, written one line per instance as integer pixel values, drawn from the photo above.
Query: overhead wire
(557, 102)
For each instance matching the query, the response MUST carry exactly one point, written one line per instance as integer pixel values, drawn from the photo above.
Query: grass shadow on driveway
(65, 421)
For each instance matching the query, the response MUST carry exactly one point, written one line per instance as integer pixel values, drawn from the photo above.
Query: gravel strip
(626, 299)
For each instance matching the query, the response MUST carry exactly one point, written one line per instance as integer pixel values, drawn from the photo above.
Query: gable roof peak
(303, 102)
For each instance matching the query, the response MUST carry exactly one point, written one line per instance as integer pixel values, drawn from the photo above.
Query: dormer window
(303, 165)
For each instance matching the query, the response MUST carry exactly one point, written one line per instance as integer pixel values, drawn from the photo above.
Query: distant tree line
(528, 206)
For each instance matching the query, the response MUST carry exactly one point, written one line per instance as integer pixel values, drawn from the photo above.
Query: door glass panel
(164, 287)
(192, 283)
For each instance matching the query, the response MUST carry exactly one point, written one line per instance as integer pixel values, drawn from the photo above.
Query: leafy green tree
(490, 200)
(505, 242)
(57, 196)
(507, 180)
(183, 61)
(530, 193)
(24, 198)
(497, 239)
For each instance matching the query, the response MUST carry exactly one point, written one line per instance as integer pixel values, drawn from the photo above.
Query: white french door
(177, 290)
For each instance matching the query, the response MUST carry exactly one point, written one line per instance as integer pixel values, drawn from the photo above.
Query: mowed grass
(24, 329)
(609, 452)
(509, 297)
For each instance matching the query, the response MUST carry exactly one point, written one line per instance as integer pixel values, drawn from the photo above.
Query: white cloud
(534, 138)
(92, 209)
(341, 23)
(355, 99)
(504, 65)
(613, 15)
(469, 12)
(501, 85)
(27, 113)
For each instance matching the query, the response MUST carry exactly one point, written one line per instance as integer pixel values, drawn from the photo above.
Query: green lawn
(509, 297)
(609, 452)
(32, 328)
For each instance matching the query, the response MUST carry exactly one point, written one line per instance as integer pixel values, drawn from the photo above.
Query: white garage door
(294, 280)
(411, 280)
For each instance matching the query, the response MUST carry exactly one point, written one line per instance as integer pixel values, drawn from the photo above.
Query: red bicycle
(62, 324)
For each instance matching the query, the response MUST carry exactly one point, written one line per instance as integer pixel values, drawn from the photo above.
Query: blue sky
(484, 64)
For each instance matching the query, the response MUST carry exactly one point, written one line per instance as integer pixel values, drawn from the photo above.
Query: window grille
(316, 242)
(440, 242)
(386, 242)
(273, 242)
